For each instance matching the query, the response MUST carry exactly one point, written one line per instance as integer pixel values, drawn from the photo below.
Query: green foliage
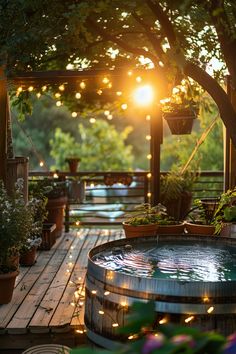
(102, 148)
(226, 209)
(145, 214)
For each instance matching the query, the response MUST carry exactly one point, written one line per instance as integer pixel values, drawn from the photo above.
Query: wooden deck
(47, 304)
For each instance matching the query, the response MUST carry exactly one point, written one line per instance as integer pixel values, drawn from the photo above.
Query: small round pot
(199, 229)
(28, 258)
(7, 282)
(176, 229)
(139, 231)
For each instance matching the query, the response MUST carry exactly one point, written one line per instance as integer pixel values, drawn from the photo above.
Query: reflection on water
(182, 261)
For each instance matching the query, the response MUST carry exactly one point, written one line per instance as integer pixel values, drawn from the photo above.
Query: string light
(41, 164)
(30, 88)
(189, 319)
(106, 293)
(149, 175)
(19, 89)
(149, 195)
(82, 85)
(118, 93)
(110, 117)
(61, 87)
(149, 156)
(44, 88)
(72, 304)
(148, 117)
(123, 303)
(124, 106)
(77, 223)
(109, 85)
(58, 103)
(105, 80)
(92, 185)
(79, 331)
(94, 292)
(55, 175)
(99, 92)
(130, 73)
(106, 113)
(138, 79)
(38, 94)
(163, 320)
(210, 310)
(74, 114)
(148, 137)
(206, 299)
(78, 95)
(92, 120)
(101, 312)
(115, 325)
(57, 94)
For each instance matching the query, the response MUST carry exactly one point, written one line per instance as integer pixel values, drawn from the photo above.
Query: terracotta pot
(48, 236)
(228, 230)
(73, 164)
(7, 282)
(28, 258)
(170, 229)
(55, 208)
(199, 229)
(139, 231)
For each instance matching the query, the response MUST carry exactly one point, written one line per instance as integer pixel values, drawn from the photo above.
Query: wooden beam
(3, 124)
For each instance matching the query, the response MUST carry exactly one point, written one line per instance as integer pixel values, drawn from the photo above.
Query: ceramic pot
(28, 258)
(199, 229)
(7, 282)
(139, 231)
(177, 229)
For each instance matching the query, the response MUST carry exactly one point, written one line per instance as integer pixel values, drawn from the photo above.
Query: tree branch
(227, 112)
(163, 20)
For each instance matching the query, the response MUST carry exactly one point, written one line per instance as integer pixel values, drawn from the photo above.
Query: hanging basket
(180, 122)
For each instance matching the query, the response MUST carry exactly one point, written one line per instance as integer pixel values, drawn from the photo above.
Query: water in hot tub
(175, 260)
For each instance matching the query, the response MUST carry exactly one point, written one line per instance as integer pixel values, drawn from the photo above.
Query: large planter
(139, 231)
(175, 229)
(28, 258)
(179, 208)
(55, 208)
(7, 283)
(199, 229)
(180, 122)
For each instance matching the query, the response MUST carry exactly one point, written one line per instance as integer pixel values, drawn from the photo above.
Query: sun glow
(143, 95)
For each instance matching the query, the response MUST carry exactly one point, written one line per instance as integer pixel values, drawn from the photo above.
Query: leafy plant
(145, 214)
(47, 188)
(226, 210)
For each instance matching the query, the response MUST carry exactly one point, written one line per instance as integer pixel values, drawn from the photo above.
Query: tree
(179, 38)
(102, 148)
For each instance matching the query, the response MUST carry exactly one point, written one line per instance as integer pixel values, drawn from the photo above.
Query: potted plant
(73, 162)
(202, 217)
(180, 110)
(148, 221)
(16, 220)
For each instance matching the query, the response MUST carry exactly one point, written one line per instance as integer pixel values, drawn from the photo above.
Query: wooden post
(229, 149)
(3, 124)
(156, 129)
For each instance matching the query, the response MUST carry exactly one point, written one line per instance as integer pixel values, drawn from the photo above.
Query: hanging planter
(180, 121)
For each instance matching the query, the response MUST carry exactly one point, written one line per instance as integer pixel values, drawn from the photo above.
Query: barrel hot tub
(191, 278)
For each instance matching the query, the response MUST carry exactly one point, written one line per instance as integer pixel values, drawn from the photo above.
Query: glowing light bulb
(109, 85)
(30, 88)
(44, 88)
(149, 194)
(74, 114)
(77, 223)
(138, 79)
(105, 80)
(149, 175)
(92, 120)
(61, 87)
(82, 85)
(41, 164)
(99, 92)
(205, 299)
(149, 156)
(118, 93)
(94, 292)
(148, 137)
(106, 293)
(130, 73)
(211, 309)
(110, 117)
(19, 89)
(163, 321)
(58, 103)
(148, 117)
(115, 325)
(78, 95)
(38, 94)
(101, 312)
(124, 106)
(55, 175)
(189, 319)
(106, 113)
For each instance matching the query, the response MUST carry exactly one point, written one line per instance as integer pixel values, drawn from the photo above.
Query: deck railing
(101, 198)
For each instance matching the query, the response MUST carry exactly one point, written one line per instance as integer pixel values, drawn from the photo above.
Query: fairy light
(101, 312)
(94, 292)
(70, 256)
(70, 264)
(148, 117)
(106, 293)
(68, 271)
(110, 117)
(44, 88)
(38, 94)
(58, 103)
(115, 324)
(130, 73)
(72, 304)
(106, 113)
(189, 319)
(81, 303)
(55, 175)
(92, 120)
(105, 80)
(163, 320)
(148, 137)
(109, 85)
(61, 87)
(92, 185)
(41, 164)
(82, 85)
(149, 156)
(149, 195)
(57, 95)
(79, 331)
(30, 88)
(149, 175)
(78, 95)
(123, 304)
(77, 223)
(99, 92)
(118, 93)
(138, 79)
(71, 247)
(124, 106)
(19, 89)
(74, 114)
(210, 310)
(205, 299)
